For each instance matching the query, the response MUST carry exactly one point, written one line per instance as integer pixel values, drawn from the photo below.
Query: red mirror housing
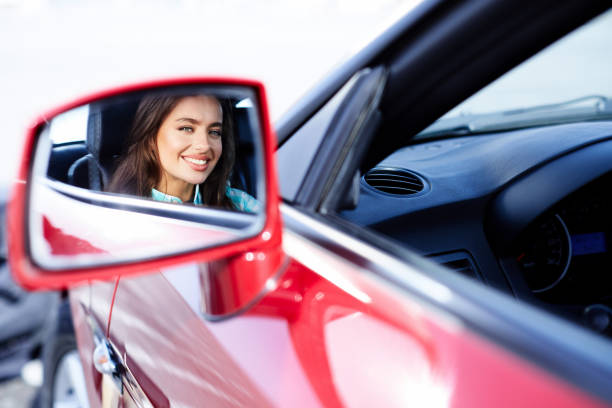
(240, 268)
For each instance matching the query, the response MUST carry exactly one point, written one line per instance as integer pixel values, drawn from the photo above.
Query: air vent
(460, 262)
(394, 181)
(463, 266)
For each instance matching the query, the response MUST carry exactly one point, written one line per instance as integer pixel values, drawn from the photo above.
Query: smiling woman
(182, 149)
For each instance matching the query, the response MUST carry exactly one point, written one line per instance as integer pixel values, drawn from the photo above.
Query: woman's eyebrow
(197, 122)
(190, 120)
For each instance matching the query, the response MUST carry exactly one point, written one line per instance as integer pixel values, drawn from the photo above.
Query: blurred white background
(52, 51)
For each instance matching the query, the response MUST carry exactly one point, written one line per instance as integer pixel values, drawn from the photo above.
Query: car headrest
(108, 129)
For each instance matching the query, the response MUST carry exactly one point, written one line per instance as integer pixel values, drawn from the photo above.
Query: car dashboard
(526, 211)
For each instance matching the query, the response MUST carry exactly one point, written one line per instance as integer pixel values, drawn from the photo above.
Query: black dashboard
(525, 211)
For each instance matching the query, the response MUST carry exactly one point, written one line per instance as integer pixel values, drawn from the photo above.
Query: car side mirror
(148, 176)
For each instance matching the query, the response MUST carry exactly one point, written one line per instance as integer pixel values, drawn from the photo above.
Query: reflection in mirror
(106, 172)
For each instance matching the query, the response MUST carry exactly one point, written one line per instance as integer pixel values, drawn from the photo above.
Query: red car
(384, 244)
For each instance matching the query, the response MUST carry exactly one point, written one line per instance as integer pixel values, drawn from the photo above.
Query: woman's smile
(198, 163)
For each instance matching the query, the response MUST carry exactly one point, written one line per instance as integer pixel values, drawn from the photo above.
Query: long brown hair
(139, 168)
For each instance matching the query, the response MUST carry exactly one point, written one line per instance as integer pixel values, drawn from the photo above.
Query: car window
(573, 73)
(70, 127)
(299, 151)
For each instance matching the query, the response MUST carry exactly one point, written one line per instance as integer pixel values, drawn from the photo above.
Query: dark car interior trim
(353, 115)
(510, 212)
(65, 155)
(363, 124)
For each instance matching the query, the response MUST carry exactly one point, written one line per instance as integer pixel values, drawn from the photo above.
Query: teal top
(241, 200)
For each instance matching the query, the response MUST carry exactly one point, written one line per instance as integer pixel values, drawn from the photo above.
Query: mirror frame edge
(32, 277)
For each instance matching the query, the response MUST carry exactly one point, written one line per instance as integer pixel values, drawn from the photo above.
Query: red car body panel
(312, 342)
(74, 233)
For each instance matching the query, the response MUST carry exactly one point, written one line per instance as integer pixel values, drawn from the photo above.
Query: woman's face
(189, 144)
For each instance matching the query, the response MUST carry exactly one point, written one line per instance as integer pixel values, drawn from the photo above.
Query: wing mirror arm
(350, 199)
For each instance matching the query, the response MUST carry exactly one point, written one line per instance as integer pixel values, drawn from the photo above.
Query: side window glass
(70, 127)
(570, 76)
(298, 153)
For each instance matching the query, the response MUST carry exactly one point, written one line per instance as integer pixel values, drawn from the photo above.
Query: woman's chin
(196, 180)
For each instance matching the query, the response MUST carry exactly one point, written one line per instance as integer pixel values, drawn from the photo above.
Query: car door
(331, 334)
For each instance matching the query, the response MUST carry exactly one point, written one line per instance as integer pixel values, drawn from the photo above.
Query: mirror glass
(146, 174)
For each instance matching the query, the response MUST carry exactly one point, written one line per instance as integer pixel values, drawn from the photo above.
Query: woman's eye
(215, 132)
(186, 129)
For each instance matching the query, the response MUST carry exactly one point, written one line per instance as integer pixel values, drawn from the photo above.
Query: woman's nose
(201, 141)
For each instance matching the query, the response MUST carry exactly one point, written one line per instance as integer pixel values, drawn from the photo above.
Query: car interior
(90, 163)
(516, 199)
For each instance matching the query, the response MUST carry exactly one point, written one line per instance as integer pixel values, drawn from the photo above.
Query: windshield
(575, 73)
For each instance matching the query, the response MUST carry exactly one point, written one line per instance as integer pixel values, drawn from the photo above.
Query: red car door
(333, 335)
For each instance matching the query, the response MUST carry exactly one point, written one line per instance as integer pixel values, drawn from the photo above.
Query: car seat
(243, 174)
(108, 127)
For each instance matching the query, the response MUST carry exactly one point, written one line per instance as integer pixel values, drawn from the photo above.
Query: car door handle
(119, 387)
(105, 360)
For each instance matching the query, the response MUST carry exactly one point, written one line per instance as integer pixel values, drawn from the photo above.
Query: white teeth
(196, 161)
